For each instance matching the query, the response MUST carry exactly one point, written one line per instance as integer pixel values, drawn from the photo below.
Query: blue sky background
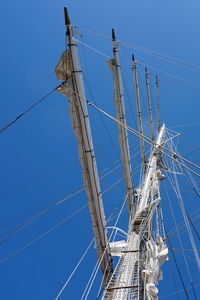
(38, 158)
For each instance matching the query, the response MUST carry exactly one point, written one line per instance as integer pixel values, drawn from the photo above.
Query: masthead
(67, 19)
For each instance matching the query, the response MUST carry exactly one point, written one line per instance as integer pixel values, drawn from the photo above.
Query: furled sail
(68, 69)
(121, 116)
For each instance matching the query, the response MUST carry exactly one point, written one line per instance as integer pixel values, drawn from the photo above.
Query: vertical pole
(149, 105)
(157, 103)
(73, 88)
(139, 113)
(121, 116)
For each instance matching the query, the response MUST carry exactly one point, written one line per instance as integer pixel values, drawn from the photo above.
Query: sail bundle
(114, 66)
(68, 69)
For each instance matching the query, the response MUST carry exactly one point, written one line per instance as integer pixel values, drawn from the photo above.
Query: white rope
(179, 291)
(179, 238)
(150, 142)
(181, 204)
(74, 270)
(94, 49)
(181, 226)
(43, 234)
(151, 52)
(94, 273)
(190, 84)
(186, 125)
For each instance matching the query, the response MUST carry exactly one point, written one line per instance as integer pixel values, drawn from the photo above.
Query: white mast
(139, 113)
(149, 105)
(151, 180)
(68, 69)
(114, 65)
(138, 272)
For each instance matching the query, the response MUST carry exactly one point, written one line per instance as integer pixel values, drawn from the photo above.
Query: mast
(138, 272)
(151, 176)
(149, 105)
(139, 113)
(68, 69)
(114, 65)
(157, 104)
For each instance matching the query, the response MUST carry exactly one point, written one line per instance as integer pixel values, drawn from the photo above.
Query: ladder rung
(130, 251)
(123, 287)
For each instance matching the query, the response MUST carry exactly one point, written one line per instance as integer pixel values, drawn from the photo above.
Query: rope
(180, 227)
(74, 270)
(186, 125)
(176, 189)
(28, 109)
(177, 267)
(43, 234)
(143, 137)
(179, 238)
(94, 49)
(95, 270)
(190, 84)
(154, 53)
(31, 220)
(149, 141)
(179, 291)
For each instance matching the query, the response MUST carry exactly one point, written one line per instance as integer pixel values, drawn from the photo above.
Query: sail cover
(157, 254)
(81, 127)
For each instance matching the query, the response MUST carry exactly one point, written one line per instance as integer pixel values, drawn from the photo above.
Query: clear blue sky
(38, 160)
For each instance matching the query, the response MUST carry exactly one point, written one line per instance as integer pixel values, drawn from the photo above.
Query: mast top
(113, 35)
(157, 80)
(133, 58)
(66, 15)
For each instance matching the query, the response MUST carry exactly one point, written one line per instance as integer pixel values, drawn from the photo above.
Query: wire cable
(149, 141)
(74, 270)
(43, 234)
(154, 53)
(4, 128)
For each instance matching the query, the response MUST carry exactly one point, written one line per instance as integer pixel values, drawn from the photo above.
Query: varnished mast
(139, 112)
(121, 116)
(149, 105)
(69, 70)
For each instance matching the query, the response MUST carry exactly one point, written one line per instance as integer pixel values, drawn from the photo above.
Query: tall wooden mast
(114, 65)
(69, 70)
(149, 105)
(139, 112)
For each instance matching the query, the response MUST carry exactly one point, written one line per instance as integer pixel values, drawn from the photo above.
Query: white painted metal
(152, 180)
(128, 282)
(124, 283)
(114, 65)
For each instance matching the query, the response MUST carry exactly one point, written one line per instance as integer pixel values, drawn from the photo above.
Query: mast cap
(113, 35)
(66, 15)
